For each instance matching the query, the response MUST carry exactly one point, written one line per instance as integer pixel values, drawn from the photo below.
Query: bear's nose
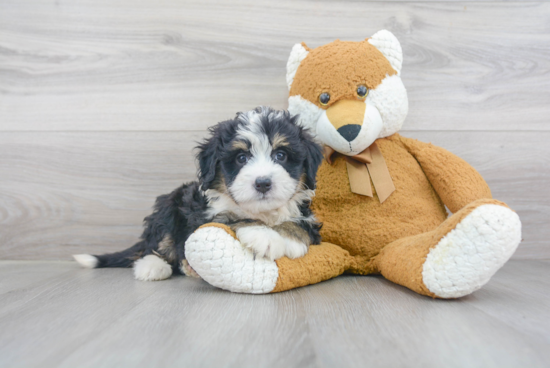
(350, 131)
(262, 184)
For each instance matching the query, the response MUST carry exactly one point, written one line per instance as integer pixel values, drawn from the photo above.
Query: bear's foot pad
(469, 255)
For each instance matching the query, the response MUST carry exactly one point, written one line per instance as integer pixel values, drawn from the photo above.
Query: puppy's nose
(262, 184)
(350, 131)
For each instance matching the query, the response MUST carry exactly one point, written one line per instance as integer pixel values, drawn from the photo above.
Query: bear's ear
(298, 53)
(390, 47)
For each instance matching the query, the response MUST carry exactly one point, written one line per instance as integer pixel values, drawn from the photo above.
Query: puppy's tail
(125, 258)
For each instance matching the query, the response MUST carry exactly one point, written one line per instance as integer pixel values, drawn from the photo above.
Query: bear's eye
(242, 159)
(362, 91)
(324, 98)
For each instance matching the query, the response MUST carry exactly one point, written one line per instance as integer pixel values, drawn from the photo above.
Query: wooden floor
(55, 314)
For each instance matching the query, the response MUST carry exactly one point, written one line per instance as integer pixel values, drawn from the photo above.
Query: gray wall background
(101, 101)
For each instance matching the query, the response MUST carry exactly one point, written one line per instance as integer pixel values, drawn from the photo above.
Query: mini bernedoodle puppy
(256, 175)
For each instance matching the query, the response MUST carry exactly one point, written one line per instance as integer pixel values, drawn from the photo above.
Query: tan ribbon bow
(364, 167)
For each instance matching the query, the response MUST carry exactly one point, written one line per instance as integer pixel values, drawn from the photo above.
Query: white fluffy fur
(294, 249)
(390, 47)
(221, 202)
(266, 242)
(282, 188)
(86, 260)
(152, 268)
(468, 256)
(297, 55)
(390, 99)
(309, 112)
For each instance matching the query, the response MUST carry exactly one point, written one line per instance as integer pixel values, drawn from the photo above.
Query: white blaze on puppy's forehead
(259, 142)
(252, 131)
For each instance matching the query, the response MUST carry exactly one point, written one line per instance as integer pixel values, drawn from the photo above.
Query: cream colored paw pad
(469, 255)
(223, 262)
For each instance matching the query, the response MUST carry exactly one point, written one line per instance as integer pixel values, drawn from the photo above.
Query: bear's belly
(362, 225)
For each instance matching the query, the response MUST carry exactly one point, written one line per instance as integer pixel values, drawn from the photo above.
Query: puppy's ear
(313, 159)
(208, 156)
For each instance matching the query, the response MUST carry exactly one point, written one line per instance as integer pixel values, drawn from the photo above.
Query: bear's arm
(454, 180)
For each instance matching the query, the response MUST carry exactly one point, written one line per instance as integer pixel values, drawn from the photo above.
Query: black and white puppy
(256, 175)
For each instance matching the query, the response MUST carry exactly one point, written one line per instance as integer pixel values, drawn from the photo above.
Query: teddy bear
(382, 197)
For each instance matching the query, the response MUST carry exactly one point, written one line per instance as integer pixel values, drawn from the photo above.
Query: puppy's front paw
(263, 241)
(295, 249)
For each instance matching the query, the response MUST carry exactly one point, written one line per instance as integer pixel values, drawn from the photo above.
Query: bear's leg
(458, 257)
(219, 258)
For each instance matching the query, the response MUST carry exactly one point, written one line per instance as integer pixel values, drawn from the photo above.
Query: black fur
(178, 214)
(313, 228)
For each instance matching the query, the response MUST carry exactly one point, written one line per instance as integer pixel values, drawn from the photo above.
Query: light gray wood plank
(56, 318)
(530, 289)
(67, 193)
(102, 317)
(372, 320)
(18, 276)
(210, 328)
(179, 65)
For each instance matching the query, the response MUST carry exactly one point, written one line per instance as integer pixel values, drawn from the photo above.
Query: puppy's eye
(324, 98)
(280, 156)
(242, 159)
(362, 91)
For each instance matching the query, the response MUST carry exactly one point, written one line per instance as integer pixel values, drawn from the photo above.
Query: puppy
(256, 175)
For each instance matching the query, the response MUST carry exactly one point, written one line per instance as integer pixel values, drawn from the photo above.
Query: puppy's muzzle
(262, 184)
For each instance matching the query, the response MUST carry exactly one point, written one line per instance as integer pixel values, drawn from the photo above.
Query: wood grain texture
(180, 65)
(59, 315)
(87, 192)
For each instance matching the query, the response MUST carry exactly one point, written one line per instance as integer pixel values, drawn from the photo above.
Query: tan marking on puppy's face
(338, 68)
(239, 145)
(279, 141)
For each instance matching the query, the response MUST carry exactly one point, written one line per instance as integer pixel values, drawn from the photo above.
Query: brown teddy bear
(380, 196)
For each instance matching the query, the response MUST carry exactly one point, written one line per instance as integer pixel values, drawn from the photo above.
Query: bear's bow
(364, 167)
